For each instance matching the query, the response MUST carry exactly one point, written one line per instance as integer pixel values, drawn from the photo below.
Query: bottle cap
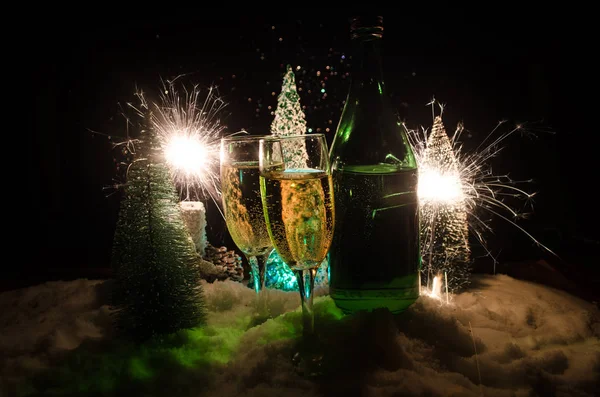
(366, 26)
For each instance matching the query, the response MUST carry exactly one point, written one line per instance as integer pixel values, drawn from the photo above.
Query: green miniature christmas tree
(157, 281)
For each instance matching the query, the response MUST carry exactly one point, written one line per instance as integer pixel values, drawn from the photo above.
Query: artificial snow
(504, 337)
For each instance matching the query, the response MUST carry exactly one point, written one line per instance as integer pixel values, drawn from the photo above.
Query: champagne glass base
(261, 308)
(308, 358)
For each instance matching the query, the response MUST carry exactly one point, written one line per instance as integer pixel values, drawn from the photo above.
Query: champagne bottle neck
(369, 136)
(367, 64)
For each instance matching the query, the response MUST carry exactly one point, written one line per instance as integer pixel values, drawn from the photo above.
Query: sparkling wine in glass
(242, 203)
(297, 196)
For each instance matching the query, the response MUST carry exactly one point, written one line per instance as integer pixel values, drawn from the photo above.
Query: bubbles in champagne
(243, 208)
(299, 215)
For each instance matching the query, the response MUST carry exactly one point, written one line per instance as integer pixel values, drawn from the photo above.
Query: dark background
(532, 69)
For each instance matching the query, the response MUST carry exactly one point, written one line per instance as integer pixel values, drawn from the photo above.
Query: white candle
(194, 217)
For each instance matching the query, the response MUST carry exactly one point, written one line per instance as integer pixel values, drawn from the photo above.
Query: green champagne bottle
(375, 255)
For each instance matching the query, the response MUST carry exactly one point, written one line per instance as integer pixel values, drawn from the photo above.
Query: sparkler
(455, 187)
(189, 130)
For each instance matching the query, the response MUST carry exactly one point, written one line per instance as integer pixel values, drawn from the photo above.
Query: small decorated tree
(443, 213)
(290, 119)
(157, 280)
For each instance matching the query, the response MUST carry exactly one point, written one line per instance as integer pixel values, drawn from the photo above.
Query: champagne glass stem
(258, 264)
(306, 283)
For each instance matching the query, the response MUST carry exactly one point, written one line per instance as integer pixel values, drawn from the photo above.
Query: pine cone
(227, 262)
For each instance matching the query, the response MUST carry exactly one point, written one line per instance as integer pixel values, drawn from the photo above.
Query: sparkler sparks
(189, 130)
(455, 190)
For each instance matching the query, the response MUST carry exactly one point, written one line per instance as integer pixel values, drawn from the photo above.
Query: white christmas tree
(290, 120)
(444, 223)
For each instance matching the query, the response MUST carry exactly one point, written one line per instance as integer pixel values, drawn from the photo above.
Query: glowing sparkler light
(438, 186)
(439, 177)
(186, 154)
(190, 130)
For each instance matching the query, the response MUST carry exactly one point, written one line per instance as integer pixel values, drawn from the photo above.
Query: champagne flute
(242, 204)
(297, 195)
